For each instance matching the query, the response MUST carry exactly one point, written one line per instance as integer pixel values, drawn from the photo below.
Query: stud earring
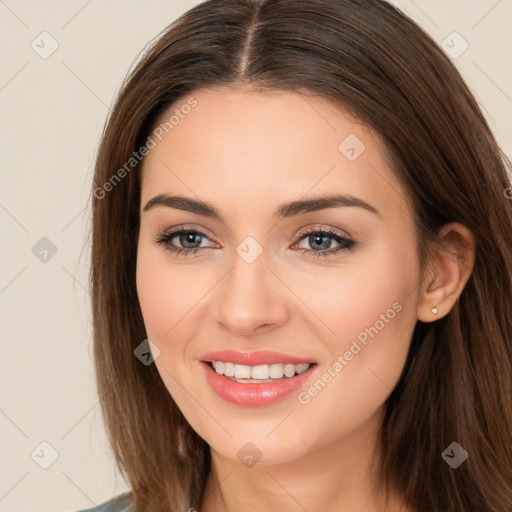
(434, 310)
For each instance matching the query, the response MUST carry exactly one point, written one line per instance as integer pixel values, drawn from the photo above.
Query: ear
(448, 271)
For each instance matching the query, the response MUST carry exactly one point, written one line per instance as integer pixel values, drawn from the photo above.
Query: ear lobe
(449, 270)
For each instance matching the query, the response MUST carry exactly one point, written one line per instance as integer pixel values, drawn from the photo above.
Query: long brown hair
(368, 57)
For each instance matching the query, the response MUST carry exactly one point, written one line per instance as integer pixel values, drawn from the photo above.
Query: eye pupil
(189, 238)
(319, 238)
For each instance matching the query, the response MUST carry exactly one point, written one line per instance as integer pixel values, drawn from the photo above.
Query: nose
(252, 299)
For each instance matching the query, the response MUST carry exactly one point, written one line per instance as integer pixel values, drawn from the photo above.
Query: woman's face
(265, 285)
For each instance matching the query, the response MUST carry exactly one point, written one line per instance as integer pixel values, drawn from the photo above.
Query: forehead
(251, 146)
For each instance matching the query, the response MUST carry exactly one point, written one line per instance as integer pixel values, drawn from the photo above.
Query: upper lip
(255, 358)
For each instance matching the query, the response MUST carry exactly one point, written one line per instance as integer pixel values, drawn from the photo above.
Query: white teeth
(301, 368)
(242, 371)
(260, 372)
(229, 369)
(276, 371)
(289, 370)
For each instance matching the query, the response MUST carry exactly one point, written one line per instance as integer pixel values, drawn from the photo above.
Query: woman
(301, 269)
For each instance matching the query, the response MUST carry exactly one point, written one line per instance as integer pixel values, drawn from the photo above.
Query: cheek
(373, 315)
(375, 290)
(166, 293)
(155, 300)
(373, 326)
(165, 296)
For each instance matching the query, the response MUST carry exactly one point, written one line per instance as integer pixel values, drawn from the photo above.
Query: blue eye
(186, 237)
(190, 238)
(321, 238)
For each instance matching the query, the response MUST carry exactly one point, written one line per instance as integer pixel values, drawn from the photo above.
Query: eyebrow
(289, 209)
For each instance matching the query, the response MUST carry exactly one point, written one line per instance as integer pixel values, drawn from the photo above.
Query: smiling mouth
(259, 374)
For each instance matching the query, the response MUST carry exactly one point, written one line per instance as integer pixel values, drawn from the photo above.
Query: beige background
(52, 114)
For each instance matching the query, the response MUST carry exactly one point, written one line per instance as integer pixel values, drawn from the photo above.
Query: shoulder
(120, 503)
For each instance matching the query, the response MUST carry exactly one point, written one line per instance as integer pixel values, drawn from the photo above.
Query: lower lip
(254, 394)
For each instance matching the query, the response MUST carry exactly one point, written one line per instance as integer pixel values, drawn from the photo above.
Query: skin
(246, 153)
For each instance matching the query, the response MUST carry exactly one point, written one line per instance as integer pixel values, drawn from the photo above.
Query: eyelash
(165, 238)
